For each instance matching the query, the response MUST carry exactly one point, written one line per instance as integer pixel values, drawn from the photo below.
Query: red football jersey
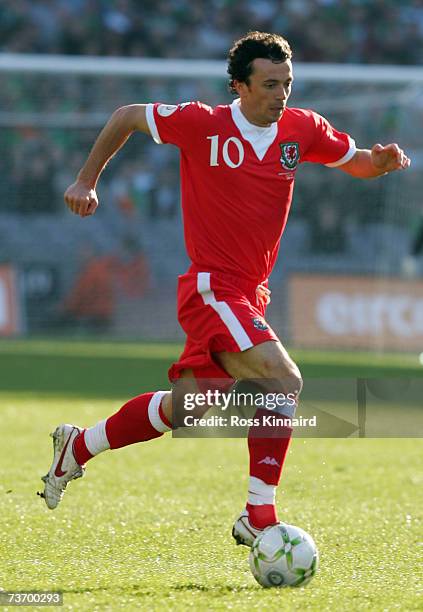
(237, 179)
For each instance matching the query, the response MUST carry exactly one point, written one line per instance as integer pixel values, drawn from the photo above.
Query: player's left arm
(375, 162)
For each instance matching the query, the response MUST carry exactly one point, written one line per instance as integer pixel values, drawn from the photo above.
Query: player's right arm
(81, 197)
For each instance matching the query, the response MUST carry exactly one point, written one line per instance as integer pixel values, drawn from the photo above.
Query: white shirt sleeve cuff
(149, 114)
(345, 158)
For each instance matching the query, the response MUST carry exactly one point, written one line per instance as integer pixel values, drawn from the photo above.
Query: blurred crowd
(368, 31)
(38, 159)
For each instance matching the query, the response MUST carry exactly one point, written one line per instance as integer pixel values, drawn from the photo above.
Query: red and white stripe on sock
(261, 503)
(139, 420)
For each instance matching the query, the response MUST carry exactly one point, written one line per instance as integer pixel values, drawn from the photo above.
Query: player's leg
(270, 364)
(142, 418)
(224, 316)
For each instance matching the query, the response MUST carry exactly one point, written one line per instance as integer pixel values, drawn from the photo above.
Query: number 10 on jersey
(214, 151)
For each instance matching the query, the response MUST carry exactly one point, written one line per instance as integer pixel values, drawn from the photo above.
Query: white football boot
(243, 532)
(64, 467)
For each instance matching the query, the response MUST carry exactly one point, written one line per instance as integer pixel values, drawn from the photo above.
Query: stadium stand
(367, 31)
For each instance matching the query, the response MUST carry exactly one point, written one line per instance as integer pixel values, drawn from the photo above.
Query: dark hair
(250, 47)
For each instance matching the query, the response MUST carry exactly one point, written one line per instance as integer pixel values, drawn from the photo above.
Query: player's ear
(240, 87)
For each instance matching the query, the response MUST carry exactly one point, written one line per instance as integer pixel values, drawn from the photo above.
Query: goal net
(344, 277)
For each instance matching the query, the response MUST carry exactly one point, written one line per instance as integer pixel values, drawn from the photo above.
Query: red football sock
(136, 421)
(268, 447)
(139, 420)
(262, 516)
(80, 450)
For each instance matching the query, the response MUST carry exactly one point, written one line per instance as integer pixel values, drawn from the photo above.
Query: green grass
(149, 526)
(112, 369)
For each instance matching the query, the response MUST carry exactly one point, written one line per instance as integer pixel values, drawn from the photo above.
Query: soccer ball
(283, 555)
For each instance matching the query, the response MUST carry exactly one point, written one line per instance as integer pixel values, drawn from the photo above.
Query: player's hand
(389, 158)
(81, 199)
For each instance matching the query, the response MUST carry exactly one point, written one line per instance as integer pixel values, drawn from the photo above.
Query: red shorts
(218, 312)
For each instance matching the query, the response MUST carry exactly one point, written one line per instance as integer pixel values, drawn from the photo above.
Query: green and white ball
(282, 556)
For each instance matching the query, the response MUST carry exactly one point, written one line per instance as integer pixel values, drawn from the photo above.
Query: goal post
(192, 68)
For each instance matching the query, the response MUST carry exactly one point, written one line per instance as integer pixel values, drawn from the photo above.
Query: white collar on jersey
(260, 138)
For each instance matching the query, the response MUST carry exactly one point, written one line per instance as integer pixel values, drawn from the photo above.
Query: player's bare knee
(291, 381)
(281, 375)
(296, 382)
(294, 379)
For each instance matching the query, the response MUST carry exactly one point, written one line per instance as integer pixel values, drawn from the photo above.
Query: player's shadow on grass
(137, 591)
(227, 588)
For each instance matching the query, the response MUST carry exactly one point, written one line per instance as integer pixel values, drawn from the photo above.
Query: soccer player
(238, 166)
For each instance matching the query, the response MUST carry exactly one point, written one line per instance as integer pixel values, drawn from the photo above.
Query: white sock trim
(153, 412)
(287, 410)
(96, 439)
(260, 493)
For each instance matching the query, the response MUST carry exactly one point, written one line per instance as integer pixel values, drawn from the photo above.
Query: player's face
(264, 98)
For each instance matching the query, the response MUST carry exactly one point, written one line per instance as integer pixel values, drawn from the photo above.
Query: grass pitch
(149, 526)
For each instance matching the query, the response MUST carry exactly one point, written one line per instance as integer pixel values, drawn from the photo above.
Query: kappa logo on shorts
(290, 155)
(260, 324)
